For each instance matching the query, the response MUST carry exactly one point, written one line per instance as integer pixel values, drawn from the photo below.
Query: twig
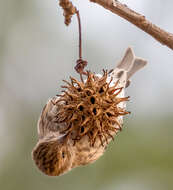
(69, 11)
(80, 35)
(80, 63)
(165, 38)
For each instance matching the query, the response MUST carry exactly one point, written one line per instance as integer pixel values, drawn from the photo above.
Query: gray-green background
(37, 51)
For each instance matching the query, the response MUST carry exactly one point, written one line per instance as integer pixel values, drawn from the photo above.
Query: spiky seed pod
(69, 10)
(91, 108)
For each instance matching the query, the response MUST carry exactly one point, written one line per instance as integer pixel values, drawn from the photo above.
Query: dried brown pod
(91, 108)
(69, 10)
(82, 121)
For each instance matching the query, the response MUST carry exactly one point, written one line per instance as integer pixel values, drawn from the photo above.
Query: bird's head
(52, 156)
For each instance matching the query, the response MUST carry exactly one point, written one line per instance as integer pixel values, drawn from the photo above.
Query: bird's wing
(47, 122)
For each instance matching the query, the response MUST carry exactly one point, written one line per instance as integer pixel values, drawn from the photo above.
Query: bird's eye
(63, 154)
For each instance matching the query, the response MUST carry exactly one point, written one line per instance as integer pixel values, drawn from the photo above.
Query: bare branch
(165, 38)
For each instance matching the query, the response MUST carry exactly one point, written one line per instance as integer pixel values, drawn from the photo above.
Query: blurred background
(37, 51)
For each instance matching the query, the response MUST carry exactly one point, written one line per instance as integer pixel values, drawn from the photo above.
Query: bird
(75, 127)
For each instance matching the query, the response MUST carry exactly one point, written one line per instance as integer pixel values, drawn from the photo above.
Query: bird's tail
(128, 66)
(130, 63)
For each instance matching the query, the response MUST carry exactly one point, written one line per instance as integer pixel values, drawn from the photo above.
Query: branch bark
(164, 37)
